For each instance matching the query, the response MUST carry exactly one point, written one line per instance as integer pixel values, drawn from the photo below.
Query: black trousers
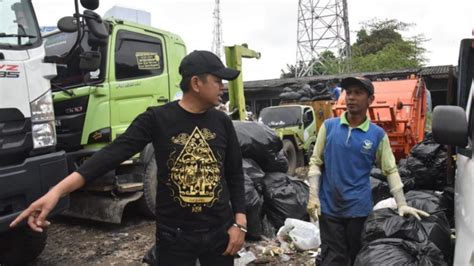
(340, 239)
(175, 246)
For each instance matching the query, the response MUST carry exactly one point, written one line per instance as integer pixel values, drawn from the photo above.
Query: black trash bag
(280, 164)
(253, 206)
(447, 202)
(437, 226)
(380, 190)
(305, 91)
(427, 163)
(254, 172)
(387, 223)
(258, 142)
(377, 173)
(290, 95)
(407, 181)
(319, 87)
(314, 92)
(304, 99)
(151, 258)
(284, 197)
(287, 89)
(403, 168)
(394, 251)
(267, 227)
(321, 97)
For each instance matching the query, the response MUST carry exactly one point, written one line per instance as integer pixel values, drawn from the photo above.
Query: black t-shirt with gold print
(199, 164)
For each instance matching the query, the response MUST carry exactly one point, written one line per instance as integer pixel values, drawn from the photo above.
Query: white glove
(396, 188)
(314, 206)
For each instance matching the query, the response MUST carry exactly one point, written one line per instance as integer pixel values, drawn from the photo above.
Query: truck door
(464, 184)
(139, 75)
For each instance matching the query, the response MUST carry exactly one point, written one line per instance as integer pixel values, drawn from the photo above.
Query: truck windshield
(69, 74)
(277, 117)
(18, 25)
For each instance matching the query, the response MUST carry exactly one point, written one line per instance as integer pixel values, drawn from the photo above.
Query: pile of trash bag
(260, 143)
(427, 164)
(407, 181)
(396, 251)
(271, 194)
(284, 197)
(306, 93)
(386, 223)
(380, 190)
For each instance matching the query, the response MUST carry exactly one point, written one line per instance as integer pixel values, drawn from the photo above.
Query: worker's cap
(205, 62)
(358, 81)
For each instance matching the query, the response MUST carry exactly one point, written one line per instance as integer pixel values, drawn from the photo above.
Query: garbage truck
(297, 124)
(139, 68)
(29, 163)
(453, 125)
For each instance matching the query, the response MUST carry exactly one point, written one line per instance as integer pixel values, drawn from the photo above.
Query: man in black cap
(346, 149)
(200, 210)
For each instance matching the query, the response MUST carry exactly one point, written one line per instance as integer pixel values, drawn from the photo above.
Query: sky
(270, 26)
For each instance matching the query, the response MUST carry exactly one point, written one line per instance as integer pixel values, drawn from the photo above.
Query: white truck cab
(453, 125)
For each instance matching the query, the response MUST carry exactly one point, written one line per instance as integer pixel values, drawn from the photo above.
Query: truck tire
(147, 203)
(21, 245)
(290, 152)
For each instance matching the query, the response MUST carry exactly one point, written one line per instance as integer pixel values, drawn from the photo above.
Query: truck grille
(70, 117)
(15, 136)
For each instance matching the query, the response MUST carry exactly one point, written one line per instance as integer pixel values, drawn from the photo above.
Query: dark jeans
(340, 239)
(175, 246)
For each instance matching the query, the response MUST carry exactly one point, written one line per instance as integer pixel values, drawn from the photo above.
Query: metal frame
(323, 25)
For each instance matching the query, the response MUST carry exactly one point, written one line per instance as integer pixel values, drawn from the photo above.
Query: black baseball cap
(360, 81)
(205, 62)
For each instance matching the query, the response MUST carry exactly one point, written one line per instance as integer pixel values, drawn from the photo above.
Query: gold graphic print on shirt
(196, 172)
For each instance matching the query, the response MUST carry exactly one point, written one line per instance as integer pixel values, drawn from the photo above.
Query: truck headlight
(42, 119)
(42, 108)
(44, 134)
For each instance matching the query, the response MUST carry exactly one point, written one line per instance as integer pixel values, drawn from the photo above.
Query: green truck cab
(139, 68)
(296, 126)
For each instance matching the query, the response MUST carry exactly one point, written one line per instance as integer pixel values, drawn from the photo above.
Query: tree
(327, 63)
(379, 47)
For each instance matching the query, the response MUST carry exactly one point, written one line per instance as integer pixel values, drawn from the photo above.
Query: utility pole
(217, 32)
(323, 41)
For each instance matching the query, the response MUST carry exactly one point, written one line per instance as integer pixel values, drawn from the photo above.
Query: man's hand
(38, 211)
(236, 241)
(407, 210)
(314, 207)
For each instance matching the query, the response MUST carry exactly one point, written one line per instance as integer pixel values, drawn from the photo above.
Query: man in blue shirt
(346, 149)
(334, 90)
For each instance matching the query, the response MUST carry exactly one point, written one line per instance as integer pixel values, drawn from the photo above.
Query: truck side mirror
(90, 4)
(67, 24)
(449, 125)
(95, 24)
(90, 61)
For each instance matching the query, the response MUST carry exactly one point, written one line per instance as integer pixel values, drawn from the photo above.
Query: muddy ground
(73, 241)
(81, 242)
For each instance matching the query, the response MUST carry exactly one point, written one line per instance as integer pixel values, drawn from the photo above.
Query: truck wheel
(290, 152)
(147, 203)
(21, 245)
